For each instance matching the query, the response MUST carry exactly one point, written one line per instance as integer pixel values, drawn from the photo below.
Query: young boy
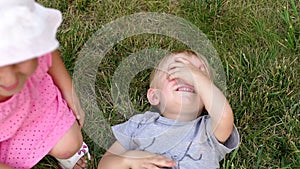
(177, 136)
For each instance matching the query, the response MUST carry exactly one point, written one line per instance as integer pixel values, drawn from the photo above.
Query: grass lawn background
(258, 43)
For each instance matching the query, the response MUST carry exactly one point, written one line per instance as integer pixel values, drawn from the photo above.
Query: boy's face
(13, 77)
(176, 96)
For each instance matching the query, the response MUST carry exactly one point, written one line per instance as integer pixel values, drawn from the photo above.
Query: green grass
(258, 43)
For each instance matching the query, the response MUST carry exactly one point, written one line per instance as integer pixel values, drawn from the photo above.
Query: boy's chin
(190, 103)
(191, 108)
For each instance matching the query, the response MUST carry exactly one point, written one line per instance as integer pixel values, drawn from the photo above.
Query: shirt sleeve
(222, 149)
(44, 63)
(125, 132)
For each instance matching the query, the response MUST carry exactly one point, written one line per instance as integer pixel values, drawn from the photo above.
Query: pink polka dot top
(33, 120)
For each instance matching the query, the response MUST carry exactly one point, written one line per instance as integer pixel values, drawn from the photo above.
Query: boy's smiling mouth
(185, 88)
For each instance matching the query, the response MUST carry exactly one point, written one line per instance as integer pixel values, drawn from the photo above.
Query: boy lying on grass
(176, 136)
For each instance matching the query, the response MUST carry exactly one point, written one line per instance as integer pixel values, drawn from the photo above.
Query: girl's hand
(77, 110)
(147, 160)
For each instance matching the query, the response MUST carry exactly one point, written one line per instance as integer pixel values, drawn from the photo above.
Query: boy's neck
(181, 116)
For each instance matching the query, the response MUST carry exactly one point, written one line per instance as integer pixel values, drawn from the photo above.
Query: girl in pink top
(38, 109)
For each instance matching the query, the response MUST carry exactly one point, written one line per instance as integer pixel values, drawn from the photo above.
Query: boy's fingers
(162, 161)
(202, 68)
(172, 66)
(181, 59)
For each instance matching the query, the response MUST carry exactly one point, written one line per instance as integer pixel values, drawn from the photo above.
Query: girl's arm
(117, 157)
(63, 81)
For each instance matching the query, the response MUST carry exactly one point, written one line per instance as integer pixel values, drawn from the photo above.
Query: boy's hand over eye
(184, 70)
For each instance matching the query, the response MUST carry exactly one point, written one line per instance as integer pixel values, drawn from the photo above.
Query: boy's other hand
(147, 160)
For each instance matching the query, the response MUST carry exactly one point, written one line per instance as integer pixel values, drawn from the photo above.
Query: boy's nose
(7, 77)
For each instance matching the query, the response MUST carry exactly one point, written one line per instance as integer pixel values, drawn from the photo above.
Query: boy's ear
(153, 97)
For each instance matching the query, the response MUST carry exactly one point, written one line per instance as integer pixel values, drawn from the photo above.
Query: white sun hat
(27, 30)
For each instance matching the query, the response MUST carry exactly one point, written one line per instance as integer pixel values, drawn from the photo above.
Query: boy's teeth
(184, 89)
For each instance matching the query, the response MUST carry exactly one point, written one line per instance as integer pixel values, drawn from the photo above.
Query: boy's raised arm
(213, 99)
(219, 110)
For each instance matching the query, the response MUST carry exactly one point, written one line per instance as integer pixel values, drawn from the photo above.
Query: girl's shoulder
(44, 64)
(45, 61)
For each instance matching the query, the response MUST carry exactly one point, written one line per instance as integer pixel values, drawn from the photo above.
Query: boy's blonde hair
(154, 77)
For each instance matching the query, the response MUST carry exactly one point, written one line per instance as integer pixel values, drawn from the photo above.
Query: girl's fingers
(81, 121)
(80, 118)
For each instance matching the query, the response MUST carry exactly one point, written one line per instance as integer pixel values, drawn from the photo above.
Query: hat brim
(34, 37)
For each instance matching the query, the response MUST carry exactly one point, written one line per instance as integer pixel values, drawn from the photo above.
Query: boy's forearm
(218, 108)
(221, 115)
(112, 161)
